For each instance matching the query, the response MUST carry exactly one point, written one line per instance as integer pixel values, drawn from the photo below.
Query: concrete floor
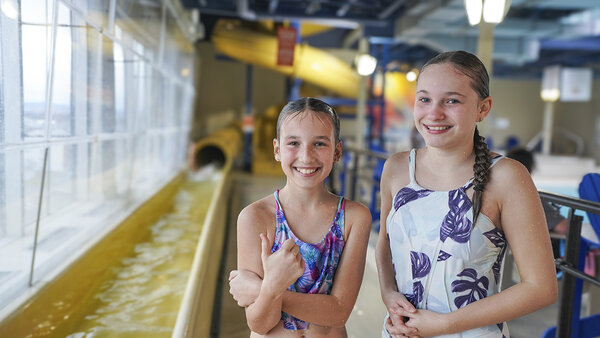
(368, 313)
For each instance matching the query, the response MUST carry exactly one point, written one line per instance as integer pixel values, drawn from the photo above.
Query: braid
(481, 171)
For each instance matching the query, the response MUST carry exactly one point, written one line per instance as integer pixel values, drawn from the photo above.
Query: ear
(484, 108)
(276, 150)
(338, 151)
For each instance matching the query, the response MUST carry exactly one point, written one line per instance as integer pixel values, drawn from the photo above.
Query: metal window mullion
(79, 85)
(13, 125)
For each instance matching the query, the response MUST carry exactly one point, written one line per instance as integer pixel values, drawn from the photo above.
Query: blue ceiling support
(296, 83)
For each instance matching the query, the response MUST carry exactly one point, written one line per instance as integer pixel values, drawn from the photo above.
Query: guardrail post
(569, 306)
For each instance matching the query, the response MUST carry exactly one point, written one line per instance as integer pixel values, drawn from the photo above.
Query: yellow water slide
(311, 64)
(155, 274)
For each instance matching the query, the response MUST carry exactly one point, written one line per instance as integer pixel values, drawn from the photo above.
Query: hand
(244, 286)
(428, 323)
(283, 267)
(398, 308)
(395, 332)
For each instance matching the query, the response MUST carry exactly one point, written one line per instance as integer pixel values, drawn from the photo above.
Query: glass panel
(142, 21)
(119, 88)
(61, 177)
(61, 120)
(33, 163)
(35, 44)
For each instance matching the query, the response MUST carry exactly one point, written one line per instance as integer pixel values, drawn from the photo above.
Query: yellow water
(142, 296)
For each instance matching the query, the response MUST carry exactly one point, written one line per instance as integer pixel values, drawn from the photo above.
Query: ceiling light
(365, 64)
(493, 11)
(474, 8)
(411, 76)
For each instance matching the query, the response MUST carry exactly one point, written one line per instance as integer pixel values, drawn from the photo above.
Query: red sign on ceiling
(286, 41)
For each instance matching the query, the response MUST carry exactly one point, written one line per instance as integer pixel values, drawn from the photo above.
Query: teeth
(438, 128)
(306, 171)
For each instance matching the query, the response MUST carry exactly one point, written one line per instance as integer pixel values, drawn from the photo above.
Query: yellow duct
(310, 64)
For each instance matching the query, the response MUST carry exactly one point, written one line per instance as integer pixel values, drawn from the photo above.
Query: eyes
(425, 99)
(316, 144)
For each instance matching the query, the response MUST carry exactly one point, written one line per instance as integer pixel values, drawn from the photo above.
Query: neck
(305, 197)
(449, 160)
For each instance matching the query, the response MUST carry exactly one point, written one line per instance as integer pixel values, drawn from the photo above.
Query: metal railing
(569, 323)
(364, 166)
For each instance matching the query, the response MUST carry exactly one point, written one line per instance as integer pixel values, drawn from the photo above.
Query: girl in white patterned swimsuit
(452, 209)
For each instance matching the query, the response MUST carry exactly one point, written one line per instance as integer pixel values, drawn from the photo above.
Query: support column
(363, 48)
(485, 44)
(548, 127)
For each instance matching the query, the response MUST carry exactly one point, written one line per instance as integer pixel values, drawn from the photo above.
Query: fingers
(398, 329)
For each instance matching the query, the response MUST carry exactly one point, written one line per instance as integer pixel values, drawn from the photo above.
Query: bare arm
(523, 222)
(394, 301)
(280, 269)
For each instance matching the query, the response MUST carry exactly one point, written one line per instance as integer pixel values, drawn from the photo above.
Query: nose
(436, 112)
(306, 153)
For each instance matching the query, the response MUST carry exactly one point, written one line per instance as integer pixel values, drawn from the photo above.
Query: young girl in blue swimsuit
(452, 209)
(291, 244)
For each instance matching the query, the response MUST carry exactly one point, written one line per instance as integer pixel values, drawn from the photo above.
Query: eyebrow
(293, 137)
(447, 93)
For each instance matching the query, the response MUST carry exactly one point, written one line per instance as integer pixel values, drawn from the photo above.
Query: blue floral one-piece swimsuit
(441, 261)
(321, 259)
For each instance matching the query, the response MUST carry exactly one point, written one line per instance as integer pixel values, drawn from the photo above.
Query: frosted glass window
(35, 44)
(32, 165)
(61, 178)
(61, 111)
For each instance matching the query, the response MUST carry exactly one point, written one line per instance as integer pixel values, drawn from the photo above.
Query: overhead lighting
(550, 91)
(411, 76)
(474, 9)
(492, 11)
(365, 64)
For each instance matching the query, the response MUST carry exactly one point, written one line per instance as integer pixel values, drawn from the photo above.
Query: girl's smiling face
(447, 107)
(306, 148)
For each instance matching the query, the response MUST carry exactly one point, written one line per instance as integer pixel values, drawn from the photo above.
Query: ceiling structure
(534, 34)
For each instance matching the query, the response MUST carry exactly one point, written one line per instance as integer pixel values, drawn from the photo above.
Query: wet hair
(471, 66)
(303, 104)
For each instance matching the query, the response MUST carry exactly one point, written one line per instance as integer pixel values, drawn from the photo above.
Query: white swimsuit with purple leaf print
(441, 261)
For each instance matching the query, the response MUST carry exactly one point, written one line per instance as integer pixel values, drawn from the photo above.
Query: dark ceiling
(534, 34)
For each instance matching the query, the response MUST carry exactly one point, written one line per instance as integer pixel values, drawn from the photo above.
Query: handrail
(571, 291)
(570, 202)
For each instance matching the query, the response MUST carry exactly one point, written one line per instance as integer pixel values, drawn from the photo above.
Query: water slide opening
(210, 154)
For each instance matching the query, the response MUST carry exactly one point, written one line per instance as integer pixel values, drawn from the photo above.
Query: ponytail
(481, 171)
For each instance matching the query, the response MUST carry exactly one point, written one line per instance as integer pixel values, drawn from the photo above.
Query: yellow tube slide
(219, 148)
(310, 64)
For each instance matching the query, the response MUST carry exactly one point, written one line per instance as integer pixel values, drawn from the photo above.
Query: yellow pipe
(310, 64)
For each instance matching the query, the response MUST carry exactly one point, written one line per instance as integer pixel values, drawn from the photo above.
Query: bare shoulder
(357, 211)
(508, 171)
(397, 161)
(509, 179)
(258, 215)
(395, 173)
(357, 219)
